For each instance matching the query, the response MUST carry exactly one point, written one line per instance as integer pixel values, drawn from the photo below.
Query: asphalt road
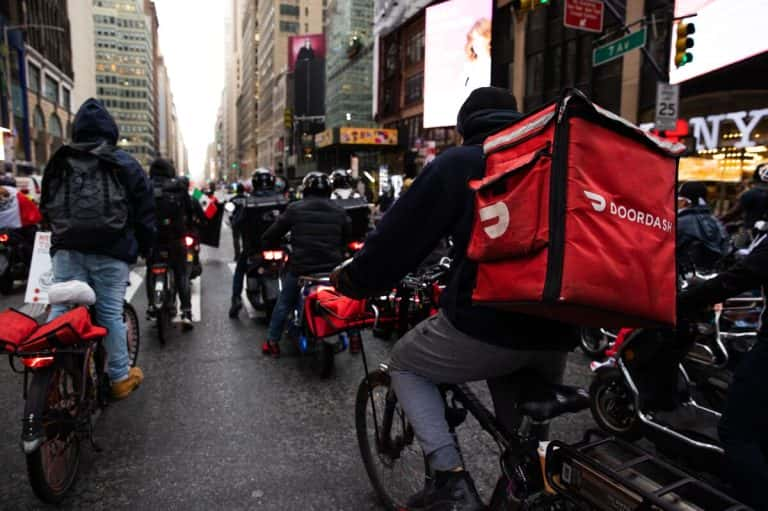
(218, 426)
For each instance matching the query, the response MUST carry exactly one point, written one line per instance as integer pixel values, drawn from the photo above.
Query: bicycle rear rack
(608, 473)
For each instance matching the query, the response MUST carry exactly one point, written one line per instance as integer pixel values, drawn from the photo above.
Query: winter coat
(701, 239)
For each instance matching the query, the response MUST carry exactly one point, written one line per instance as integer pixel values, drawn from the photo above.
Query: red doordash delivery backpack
(575, 218)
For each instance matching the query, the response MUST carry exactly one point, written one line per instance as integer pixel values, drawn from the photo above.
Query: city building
(41, 82)
(126, 71)
(277, 20)
(166, 114)
(247, 103)
(83, 50)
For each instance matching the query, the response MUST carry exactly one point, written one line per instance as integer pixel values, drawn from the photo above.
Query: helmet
(761, 173)
(317, 184)
(341, 179)
(262, 180)
(161, 167)
(239, 189)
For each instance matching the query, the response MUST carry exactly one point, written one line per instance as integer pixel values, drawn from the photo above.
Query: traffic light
(683, 43)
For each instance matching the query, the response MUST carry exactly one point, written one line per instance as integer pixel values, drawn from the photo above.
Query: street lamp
(11, 112)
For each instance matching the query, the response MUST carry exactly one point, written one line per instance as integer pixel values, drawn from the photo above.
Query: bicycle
(65, 388)
(163, 298)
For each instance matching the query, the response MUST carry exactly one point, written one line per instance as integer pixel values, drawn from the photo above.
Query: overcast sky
(192, 42)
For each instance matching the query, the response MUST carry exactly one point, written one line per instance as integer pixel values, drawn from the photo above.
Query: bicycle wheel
(131, 320)
(392, 458)
(163, 324)
(324, 359)
(52, 468)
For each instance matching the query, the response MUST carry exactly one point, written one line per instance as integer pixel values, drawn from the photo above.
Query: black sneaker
(151, 313)
(234, 310)
(448, 491)
(186, 321)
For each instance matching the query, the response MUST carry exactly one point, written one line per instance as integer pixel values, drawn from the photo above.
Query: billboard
(727, 31)
(457, 57)
(307, 46)
(368, 136)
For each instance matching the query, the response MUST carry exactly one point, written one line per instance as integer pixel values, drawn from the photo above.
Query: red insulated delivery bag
(575, 219)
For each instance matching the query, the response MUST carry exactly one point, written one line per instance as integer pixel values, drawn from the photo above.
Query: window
(414, 48)
(51, 89)
(289, 26)
(54, 126)
(413, 88)
(66, 99)
(289, 10)
(33, 76)
(38, 121)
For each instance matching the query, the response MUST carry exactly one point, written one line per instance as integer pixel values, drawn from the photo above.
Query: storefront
(356, 148)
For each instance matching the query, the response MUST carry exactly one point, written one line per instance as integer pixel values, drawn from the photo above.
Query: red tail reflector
(272, 255)
(159, 271)
(3, 238)
(37, 362)
(356, 245)
(189, 241)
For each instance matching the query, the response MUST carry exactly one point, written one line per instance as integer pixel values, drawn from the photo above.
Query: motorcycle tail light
(3, 238)
(189, 241)
(272, 255)
(356, 245)
(159, 270)
(37, 362)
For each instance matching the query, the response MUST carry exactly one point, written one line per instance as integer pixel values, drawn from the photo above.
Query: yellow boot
(123, 389)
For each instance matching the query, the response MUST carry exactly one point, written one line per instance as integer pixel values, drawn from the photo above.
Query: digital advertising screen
(457, 57)
(727, 31)
(305, 47)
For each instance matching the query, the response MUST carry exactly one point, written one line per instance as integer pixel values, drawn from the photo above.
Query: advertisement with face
(457, 57)
(305, 47)
(725, 33)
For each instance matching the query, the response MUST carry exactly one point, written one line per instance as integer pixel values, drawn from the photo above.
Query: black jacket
(749, 273)
(319, 230)
(701, 239)
(440, 204)
(754, 204)
(92, 128)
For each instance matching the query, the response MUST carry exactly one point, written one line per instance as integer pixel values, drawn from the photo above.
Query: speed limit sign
(667, 106)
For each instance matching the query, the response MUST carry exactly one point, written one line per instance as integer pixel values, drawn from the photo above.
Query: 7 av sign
(619, 47)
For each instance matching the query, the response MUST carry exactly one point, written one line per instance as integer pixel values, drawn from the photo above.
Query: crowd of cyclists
(135, 215)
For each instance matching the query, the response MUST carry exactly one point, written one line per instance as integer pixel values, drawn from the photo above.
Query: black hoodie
(94, 131)
(440, 204)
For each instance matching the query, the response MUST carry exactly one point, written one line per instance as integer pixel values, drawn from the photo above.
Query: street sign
(584, 15)
(619, 47)
(667, 102)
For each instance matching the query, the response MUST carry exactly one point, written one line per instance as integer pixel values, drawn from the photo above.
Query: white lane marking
(135, 279)
(197, 313)
(252, 314)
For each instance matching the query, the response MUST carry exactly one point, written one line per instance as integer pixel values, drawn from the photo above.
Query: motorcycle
(15, 259)
(163, 297)
(262, 285)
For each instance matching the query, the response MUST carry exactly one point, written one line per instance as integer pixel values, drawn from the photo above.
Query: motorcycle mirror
(761, 226)
(229, 207)
(445, 262)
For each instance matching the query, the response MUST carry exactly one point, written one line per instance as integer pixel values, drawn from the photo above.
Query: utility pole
(9, 78)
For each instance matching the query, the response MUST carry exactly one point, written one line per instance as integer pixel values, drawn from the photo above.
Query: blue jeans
(239, 276)
(109, 278)
(288, 299)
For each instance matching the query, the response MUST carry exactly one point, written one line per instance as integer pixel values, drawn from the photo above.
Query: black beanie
(485, 98)
(693, 191)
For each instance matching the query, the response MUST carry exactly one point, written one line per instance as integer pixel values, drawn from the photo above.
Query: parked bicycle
(65, 387)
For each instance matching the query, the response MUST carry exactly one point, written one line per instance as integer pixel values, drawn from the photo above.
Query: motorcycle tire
(132, 333)
(6, 283)
(324, 359)
(593, 343)
(163, 325)
(43, 390)
(613, 406)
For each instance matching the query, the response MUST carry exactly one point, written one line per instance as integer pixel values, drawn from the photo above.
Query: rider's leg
(237, 284)
(181, 275)
(67, 265)
(436, 352)
(150, 281)
(289, 296)
(109, 278)
(744, 427)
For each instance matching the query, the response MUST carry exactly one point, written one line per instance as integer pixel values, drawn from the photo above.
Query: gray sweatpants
(436, 352)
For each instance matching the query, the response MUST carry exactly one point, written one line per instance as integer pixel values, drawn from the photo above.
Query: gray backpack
(86, 200)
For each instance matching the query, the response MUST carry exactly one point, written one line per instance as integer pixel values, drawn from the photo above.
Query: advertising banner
(457, 57)
(308, 46)
(368, 136)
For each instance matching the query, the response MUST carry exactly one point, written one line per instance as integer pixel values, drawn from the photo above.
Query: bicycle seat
(544, 401)
(73, 292)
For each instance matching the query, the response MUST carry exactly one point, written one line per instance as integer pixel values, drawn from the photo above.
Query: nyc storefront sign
(368, 136)
(706, 130)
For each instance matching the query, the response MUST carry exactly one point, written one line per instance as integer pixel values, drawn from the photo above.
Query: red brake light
(159, 271)
(189, 241)
(37, 362)
(3, 238)
(356, 245)
(272, 255)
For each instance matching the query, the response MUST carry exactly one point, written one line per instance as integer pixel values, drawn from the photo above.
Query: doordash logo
(498, 212)
(600, 204)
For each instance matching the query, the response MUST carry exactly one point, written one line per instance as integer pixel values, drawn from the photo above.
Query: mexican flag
(209, 204)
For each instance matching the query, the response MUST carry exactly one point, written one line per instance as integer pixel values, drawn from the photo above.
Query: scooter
(262, 283)
(15, 259)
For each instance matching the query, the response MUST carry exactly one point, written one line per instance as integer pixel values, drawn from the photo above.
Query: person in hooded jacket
(752, 205)
(464, 342)
(104, 264)
(702, 241)
(175, 215)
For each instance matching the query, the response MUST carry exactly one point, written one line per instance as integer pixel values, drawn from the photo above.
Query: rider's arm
(142, 201)
(748, 274)
(412, 227)
(280, 228)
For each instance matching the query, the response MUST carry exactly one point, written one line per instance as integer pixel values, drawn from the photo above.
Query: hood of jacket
(482, 123)
(93, 123)
(162, 168)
